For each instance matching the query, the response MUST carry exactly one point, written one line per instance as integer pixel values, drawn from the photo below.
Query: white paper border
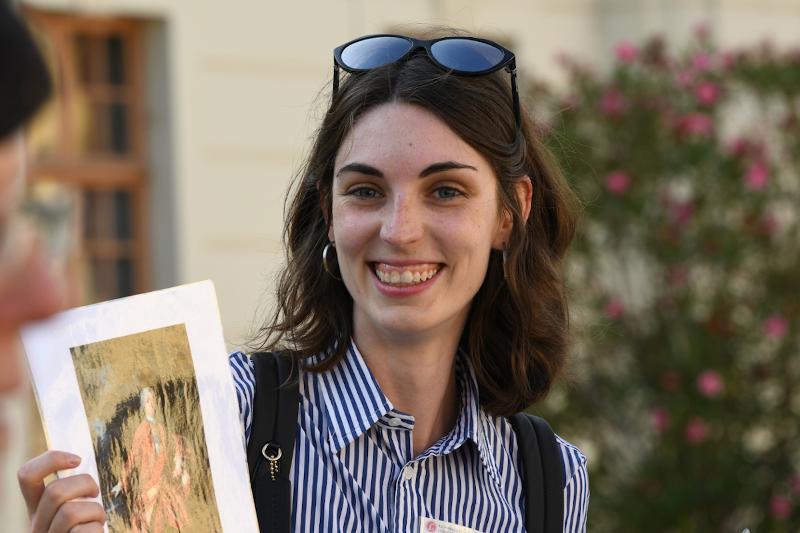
(47, 346)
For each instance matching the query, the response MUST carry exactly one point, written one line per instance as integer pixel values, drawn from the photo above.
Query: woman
(437, 310)
(431, 199)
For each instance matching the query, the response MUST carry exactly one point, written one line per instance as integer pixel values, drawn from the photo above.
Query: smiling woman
(438, 310)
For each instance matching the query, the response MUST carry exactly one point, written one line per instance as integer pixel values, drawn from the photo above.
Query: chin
(400, 323)
(410, 322)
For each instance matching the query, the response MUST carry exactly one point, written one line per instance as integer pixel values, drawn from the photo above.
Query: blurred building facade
(179, 125)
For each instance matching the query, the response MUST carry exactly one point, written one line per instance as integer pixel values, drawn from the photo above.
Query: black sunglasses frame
(508, 62)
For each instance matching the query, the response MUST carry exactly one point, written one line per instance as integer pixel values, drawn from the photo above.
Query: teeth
(404, 277)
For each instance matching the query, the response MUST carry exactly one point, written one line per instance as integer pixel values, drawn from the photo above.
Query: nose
(402, 223)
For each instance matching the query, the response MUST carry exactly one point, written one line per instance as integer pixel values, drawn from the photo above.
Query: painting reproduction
(141, 401)
(136, 386)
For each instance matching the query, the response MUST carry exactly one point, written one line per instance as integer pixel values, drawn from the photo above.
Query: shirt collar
(354, 402)
(473, 423)
(483, 428)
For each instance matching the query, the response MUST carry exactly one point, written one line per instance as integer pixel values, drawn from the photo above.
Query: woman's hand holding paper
(58, 506)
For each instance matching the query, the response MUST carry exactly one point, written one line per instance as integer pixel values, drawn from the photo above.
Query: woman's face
(414, 218)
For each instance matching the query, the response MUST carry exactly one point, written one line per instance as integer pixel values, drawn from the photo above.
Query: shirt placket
(400, 443)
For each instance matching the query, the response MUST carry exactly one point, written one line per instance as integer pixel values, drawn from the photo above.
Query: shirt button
(394, 422)
(410, 471)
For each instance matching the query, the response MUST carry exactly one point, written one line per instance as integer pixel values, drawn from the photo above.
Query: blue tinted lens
(375, 52)
(466, 55)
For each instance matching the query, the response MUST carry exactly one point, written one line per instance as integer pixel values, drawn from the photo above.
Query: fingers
(32, 474)
(57, 496)
(78, 516)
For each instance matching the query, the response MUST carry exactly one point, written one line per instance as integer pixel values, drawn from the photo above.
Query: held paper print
(141, 390)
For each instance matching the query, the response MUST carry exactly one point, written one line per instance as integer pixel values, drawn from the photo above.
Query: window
(90, 143)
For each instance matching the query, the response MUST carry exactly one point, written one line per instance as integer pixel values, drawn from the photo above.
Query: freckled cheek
(353, 234)
(467, 242)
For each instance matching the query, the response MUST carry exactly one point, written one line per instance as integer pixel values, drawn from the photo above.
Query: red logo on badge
(431, 526)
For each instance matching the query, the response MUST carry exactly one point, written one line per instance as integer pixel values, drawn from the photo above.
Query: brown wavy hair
(516, 336)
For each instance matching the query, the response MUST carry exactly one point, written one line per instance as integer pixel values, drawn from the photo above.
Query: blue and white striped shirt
(354, 470)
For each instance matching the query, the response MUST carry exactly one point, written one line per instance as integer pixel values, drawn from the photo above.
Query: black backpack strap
(543, 471)
(272, 436)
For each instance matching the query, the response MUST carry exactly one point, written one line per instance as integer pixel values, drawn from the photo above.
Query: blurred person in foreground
(28, 290)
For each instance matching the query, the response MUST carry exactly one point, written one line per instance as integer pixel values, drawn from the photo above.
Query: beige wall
(244, 77)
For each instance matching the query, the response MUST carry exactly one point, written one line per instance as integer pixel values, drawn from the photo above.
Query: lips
(405, 275)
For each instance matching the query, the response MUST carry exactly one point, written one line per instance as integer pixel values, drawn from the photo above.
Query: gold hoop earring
(329, 246)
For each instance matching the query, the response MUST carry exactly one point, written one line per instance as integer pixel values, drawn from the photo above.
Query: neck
(418, 377)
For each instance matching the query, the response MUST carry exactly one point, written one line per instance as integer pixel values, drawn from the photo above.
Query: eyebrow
(369, 170)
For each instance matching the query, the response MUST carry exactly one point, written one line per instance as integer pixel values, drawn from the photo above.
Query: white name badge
(431, 525)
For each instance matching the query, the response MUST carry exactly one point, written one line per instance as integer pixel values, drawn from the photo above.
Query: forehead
(404, 137)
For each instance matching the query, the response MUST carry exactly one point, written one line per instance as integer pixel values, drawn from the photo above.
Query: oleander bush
(685, 285)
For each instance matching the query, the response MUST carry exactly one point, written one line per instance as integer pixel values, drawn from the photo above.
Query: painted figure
(159, 495)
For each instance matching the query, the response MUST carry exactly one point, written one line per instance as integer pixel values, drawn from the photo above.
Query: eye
(367, 193)
(447, 193)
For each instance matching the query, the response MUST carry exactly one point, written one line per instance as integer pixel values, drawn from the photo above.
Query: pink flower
(776, 327)
(660, 419)
(739, 146)
(670, 381)
(757, 176)
(612, 103)
(780, 507)
(615, 308)
(617, 182)
(706, 93)
(710, 384)
(696, 430)
(701, 62)
(696, 124)
(684, 78)
(626, 52)
(682, 212)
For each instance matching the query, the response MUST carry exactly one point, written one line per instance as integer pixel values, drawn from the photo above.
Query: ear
(524, 191)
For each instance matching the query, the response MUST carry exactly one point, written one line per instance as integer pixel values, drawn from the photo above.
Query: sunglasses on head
(464, 56)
